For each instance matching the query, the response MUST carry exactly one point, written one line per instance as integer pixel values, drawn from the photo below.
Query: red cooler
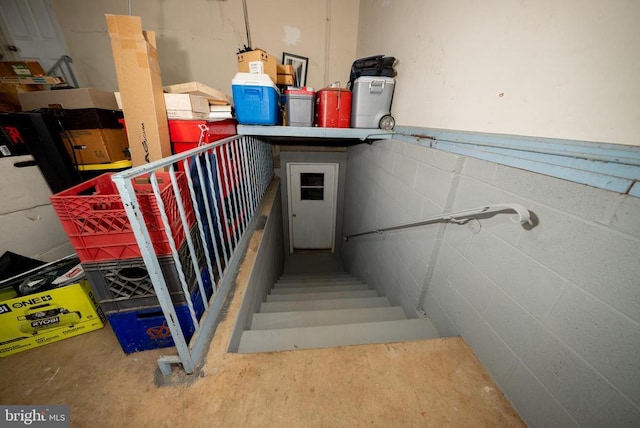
(333, 108)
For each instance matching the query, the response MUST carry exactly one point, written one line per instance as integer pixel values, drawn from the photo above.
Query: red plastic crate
(93, 216)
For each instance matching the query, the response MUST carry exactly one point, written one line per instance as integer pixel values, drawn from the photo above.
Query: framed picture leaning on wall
(299, 64)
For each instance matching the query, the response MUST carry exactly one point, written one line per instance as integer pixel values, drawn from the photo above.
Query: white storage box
(371, 101)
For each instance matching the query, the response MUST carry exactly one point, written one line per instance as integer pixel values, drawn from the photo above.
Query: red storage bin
(185, 134)
(333, 109)
(93, 216)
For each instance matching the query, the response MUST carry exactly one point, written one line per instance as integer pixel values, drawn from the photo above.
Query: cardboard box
(10, 93)
(258, 62)
(35, 80)
(68, 99)
(196, 88)
(186, 102)
(138, 70)
(92, 146)
(285, 79)
(49, 316)
(21, 69)
(285, 69)
(182, 106)
(186, 115)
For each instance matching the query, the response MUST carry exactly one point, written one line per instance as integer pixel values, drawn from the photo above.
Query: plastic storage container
(146, 328)
(93, 216)
(185, 134)
(255, 97)
(371, 102)
(333, 108)
(300, 106)
(126, 284)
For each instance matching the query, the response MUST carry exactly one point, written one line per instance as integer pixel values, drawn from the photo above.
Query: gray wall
(313, 157)
(552, 312)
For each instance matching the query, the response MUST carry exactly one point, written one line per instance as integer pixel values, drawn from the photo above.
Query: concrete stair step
(325, 273)
(276, 320)
(287, 278)
(322, 289)
(320, 305)
(331, 295)
(336, 335)
(293, 284)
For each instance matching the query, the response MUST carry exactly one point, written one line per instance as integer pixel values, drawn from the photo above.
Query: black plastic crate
(125, 284)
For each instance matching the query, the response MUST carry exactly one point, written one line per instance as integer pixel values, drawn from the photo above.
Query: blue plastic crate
(146, 328)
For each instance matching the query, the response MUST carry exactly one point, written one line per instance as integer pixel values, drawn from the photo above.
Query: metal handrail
(524, 217)
(244, 178)
(66, 60)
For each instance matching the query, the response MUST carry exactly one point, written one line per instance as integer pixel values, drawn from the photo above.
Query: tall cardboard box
(136, 58)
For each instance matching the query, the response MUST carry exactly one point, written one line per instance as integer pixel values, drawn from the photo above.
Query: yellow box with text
(49, 316)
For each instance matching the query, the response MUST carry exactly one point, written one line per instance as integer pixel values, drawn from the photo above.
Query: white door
(30, 27)
(313, 191)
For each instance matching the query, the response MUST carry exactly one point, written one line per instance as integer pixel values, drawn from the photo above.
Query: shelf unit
(314, 134)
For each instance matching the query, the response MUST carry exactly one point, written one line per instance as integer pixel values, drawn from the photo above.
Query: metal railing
(63, 68)
(206, 198)
(524, 217)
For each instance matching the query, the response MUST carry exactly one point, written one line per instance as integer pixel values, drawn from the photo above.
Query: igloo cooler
(300, 106)
(371, 102)
(255, 98)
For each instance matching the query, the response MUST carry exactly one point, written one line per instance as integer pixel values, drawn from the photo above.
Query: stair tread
(279, 320)
(312, 274)
(292, 284)
(336, 335)
(326, 288)
(315, 278)
(327, 295)
(311, 305)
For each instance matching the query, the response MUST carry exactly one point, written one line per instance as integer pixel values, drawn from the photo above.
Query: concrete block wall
(552, 312)
(390, 183)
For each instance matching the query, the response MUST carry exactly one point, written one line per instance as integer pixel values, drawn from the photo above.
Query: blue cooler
(255, 98)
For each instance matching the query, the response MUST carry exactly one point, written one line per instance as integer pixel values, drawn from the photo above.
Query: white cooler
(371, 102)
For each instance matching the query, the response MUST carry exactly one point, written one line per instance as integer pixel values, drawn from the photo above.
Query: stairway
(323, 310)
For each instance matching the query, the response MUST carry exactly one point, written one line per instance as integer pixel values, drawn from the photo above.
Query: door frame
(334, 209)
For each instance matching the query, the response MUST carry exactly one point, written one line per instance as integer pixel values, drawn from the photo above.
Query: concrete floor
(422, 383)
(312, 261)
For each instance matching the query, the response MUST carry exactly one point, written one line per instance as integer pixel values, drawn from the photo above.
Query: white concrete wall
(553, 312)
(551, 68)
(198, 39)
